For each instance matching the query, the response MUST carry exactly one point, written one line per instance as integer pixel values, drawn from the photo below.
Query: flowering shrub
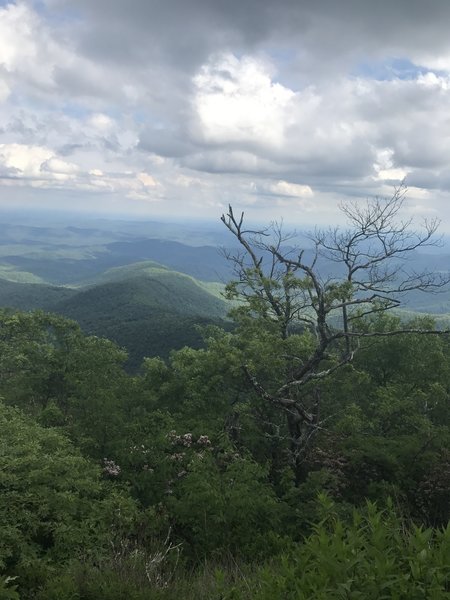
(111, 468)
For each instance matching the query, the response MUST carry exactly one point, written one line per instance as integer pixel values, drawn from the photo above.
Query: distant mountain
(140, 287)
(62, 264)
(145, 307)
(29, 296)
(202, 262)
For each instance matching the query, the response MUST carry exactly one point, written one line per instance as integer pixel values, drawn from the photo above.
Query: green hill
(146, 308)
(150, 285)
(29, 296)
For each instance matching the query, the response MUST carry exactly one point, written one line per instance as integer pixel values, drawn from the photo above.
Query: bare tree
(332, 290)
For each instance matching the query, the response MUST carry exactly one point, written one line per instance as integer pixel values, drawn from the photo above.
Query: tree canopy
(331, 293)
(303, 453)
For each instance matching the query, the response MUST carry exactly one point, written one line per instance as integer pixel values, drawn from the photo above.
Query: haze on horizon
(172, 109)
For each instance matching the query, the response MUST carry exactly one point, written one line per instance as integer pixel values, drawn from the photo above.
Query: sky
(177, 108)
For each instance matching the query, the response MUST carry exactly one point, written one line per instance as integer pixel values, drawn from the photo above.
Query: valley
(147, 294)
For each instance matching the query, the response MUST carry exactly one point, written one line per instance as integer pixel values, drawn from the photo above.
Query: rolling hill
(29, 296)
(62, 254)
(148, 285)
(145, 307)
(145, 285)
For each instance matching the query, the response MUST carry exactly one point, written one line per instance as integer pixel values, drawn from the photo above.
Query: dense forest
(302, 453)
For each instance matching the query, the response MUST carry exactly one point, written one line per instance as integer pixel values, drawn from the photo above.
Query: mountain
(150, 285)
(145, 307)
(62, 264)
(62, 254)
(203, 262)
(29, 296)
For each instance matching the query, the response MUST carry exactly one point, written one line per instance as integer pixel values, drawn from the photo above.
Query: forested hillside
(302, 454)
(146, 308)
(100, 274)
(61, 254)
(118, 486)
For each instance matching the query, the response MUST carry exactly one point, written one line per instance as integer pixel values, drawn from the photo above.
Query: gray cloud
(177, 102)
(167, 142)
(185, 33)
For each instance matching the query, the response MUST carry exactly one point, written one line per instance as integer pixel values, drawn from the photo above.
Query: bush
(54, 505)
(374, 557)
(227, 509)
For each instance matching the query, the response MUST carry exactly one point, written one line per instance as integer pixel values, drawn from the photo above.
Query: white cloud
(349, 132)
(38, 167)
(236, 101)
(57, 165)
(147, 180)
(101, 122)
(284, 188)
(28, 52)
(27, 160)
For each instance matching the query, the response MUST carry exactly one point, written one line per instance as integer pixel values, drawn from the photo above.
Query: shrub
(374, 557)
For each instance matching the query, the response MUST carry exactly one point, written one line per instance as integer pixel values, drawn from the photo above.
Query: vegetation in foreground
(179, 482)
(231, 471)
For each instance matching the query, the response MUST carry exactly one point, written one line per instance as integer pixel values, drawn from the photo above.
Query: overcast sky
(178, 107)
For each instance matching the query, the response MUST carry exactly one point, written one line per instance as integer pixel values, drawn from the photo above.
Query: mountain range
(148, 294)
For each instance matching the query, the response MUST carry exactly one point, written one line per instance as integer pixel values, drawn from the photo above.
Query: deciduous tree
(332, 292)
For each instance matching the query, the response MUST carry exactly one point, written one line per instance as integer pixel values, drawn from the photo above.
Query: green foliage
(54, 505)
(129, 581)
(30, 345)
(53, 371)
(375, 556)
(8, 589)
(208, 465)
(226, 506)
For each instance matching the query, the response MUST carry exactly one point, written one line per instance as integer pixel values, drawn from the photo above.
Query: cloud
(236, 101)
(38, 167)
(26, 160)
(59, 168)
(29, 53)
(284, 188)
(199, 103)
(350, 129)
(311, 39)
